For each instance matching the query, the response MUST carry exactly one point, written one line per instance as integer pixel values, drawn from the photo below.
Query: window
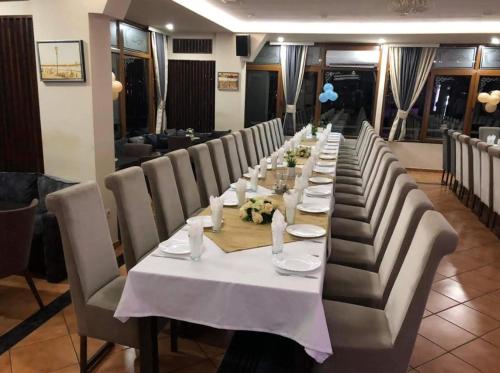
(261, 96)
(491, 58)
(448, 104)
(355, 88)
(269, 55)
(136, 91)
(454, 57)
(480, 118)
(307, 99)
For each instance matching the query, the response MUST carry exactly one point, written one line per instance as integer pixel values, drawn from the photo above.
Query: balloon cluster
(116, 86)
(328, 94)
(490, 100)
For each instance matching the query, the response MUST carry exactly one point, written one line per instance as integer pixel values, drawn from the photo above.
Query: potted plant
(291, 162)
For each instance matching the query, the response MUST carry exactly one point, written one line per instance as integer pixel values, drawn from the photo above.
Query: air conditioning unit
(353, 58)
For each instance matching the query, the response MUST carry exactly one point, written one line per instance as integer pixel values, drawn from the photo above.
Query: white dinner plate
(318, 191)
(297, 263)
(306, 230)
(205, 220)
(312, 208)
(247, 175)
(325, 163)
(320, 180)
(324, 170)
(328, 151)
(327, 156)
(175, 247)
(230, 202)
(249, 187)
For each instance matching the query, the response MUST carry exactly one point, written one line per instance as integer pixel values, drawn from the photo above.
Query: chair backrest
(281, 131)
(88, 249)
(241, 151)
(186, 182)
(257, 143)
(269, 137)
(275, 131)
(494, 152)
(248, 141)
(467, 165)
(263, 139)
(362, 135)
(372, 192)
(405, 306)
(232, 158)
(219, 162)
(458, 156)
(486, 174)
(16, 232)
(484, 132)
(415, 205)
(453, 153)
(369, 169)
(385, 223)
(205, 174)
(476, 168)
(135, 214)
(165, 195)
(446, 150)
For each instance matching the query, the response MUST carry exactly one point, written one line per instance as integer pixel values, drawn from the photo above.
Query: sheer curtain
(293, 63)
(409, 68)
(160, 60)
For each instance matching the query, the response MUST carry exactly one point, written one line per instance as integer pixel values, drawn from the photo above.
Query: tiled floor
(460, 332)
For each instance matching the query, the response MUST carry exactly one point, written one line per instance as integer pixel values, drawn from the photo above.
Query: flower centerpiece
(190, 132)
(303, 152)
(291, 162)
(260, 210)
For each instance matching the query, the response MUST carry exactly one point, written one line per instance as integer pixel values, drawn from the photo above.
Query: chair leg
(86, 364)
(442, 177)
(33, 288)
(83, 354)
(174, 332)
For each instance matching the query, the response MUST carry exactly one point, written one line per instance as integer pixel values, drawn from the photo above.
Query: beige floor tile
(44, 356)
(125, 361)
(53, 328)
(92, 345)
(490, 271)
(206, 366)
(5, 363)
(459, 262)
(70, 317)
(438, 302)
(481, 354)
(469, 319)
(447, 364)
(424, 351)
(6, 324)
(443, 333)
(457, 291)
(488, 304)
(476, 280)
(493, 337)
(71, 369)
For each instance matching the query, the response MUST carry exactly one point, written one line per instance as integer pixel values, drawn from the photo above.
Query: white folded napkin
(216, 207)
(241, 189)
(290, 200)
(195, 231)
(281, 155)
(263, 167)
(274, 161)
(254, 178)
(278, 226)
(490, 140)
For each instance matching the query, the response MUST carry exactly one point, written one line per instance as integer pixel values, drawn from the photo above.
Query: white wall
(419, 155)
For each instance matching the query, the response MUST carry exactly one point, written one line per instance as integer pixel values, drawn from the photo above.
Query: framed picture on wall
(228, 81)
(61, 61)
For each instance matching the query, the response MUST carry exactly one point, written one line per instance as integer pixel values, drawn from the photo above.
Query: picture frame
(61, 61)
(228, 81)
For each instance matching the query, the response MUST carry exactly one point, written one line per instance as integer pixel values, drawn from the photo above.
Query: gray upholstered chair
(205, 173)
(384, 217)
(476, 172)
(453, 160)
(219, 162)
(281, 132)
(263, 140)
(248, 141)
(231, 157)
(373, 340)
(94, 280)
(241, 151)
(275, 133)
(371, 288)
(486, 180)
(165, 195)
(467, 168)
(257, 143)
(186, 182)
(494, 152)
(457, 187)
(16, 231)
(269, 137)
(446, 157)
(139, 234)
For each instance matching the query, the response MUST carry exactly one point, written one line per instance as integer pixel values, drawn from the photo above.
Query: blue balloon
(330, 95)
(335, 96)
(323, 98)
(328, 87)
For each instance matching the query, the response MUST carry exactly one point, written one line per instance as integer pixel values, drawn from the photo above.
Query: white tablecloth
(236, 291)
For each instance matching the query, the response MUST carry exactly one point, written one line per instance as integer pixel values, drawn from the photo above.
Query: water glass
(290, 215)
(196, 246)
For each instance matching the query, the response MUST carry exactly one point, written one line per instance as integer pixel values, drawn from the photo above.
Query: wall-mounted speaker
(243, 45)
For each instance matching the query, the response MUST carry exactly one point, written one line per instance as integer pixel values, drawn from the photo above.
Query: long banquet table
(240, 290)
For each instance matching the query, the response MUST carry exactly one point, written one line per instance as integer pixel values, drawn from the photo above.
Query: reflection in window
(268, 55)
(307, 99)
(261, 96)
(455, 57)
(448, 104)
(491, 58)
(354, 105)
(480, 118)
(414, 120)
(115, 59)
(136, 73)
(134, 38)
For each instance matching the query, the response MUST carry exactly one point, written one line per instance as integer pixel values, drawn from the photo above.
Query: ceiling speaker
(243, 45)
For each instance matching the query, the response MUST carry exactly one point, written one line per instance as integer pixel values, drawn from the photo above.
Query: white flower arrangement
(258, 210)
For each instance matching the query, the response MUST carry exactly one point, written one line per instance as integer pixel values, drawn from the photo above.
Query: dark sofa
(46, 259)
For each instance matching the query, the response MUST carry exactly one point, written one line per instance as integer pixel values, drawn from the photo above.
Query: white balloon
(496, 93)
(117, 86)
(483, 97)
(489, 108)
(115, 95)
(494, 100)
(113, 77)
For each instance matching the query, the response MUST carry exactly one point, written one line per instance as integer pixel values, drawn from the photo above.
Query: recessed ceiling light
(281, 39)
(495, 40)
(381, 41)
(169, 26)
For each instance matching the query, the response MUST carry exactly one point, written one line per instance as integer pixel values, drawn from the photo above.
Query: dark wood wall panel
(20, 134)
(193, 46)
(191, 95)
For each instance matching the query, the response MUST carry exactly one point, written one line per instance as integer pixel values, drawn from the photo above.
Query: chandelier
(405, 7)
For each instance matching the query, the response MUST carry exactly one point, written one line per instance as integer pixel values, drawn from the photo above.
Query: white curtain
(409, 68)
(293, 64)
(160, 61)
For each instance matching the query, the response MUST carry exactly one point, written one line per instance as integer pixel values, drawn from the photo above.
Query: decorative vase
(291, 172)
